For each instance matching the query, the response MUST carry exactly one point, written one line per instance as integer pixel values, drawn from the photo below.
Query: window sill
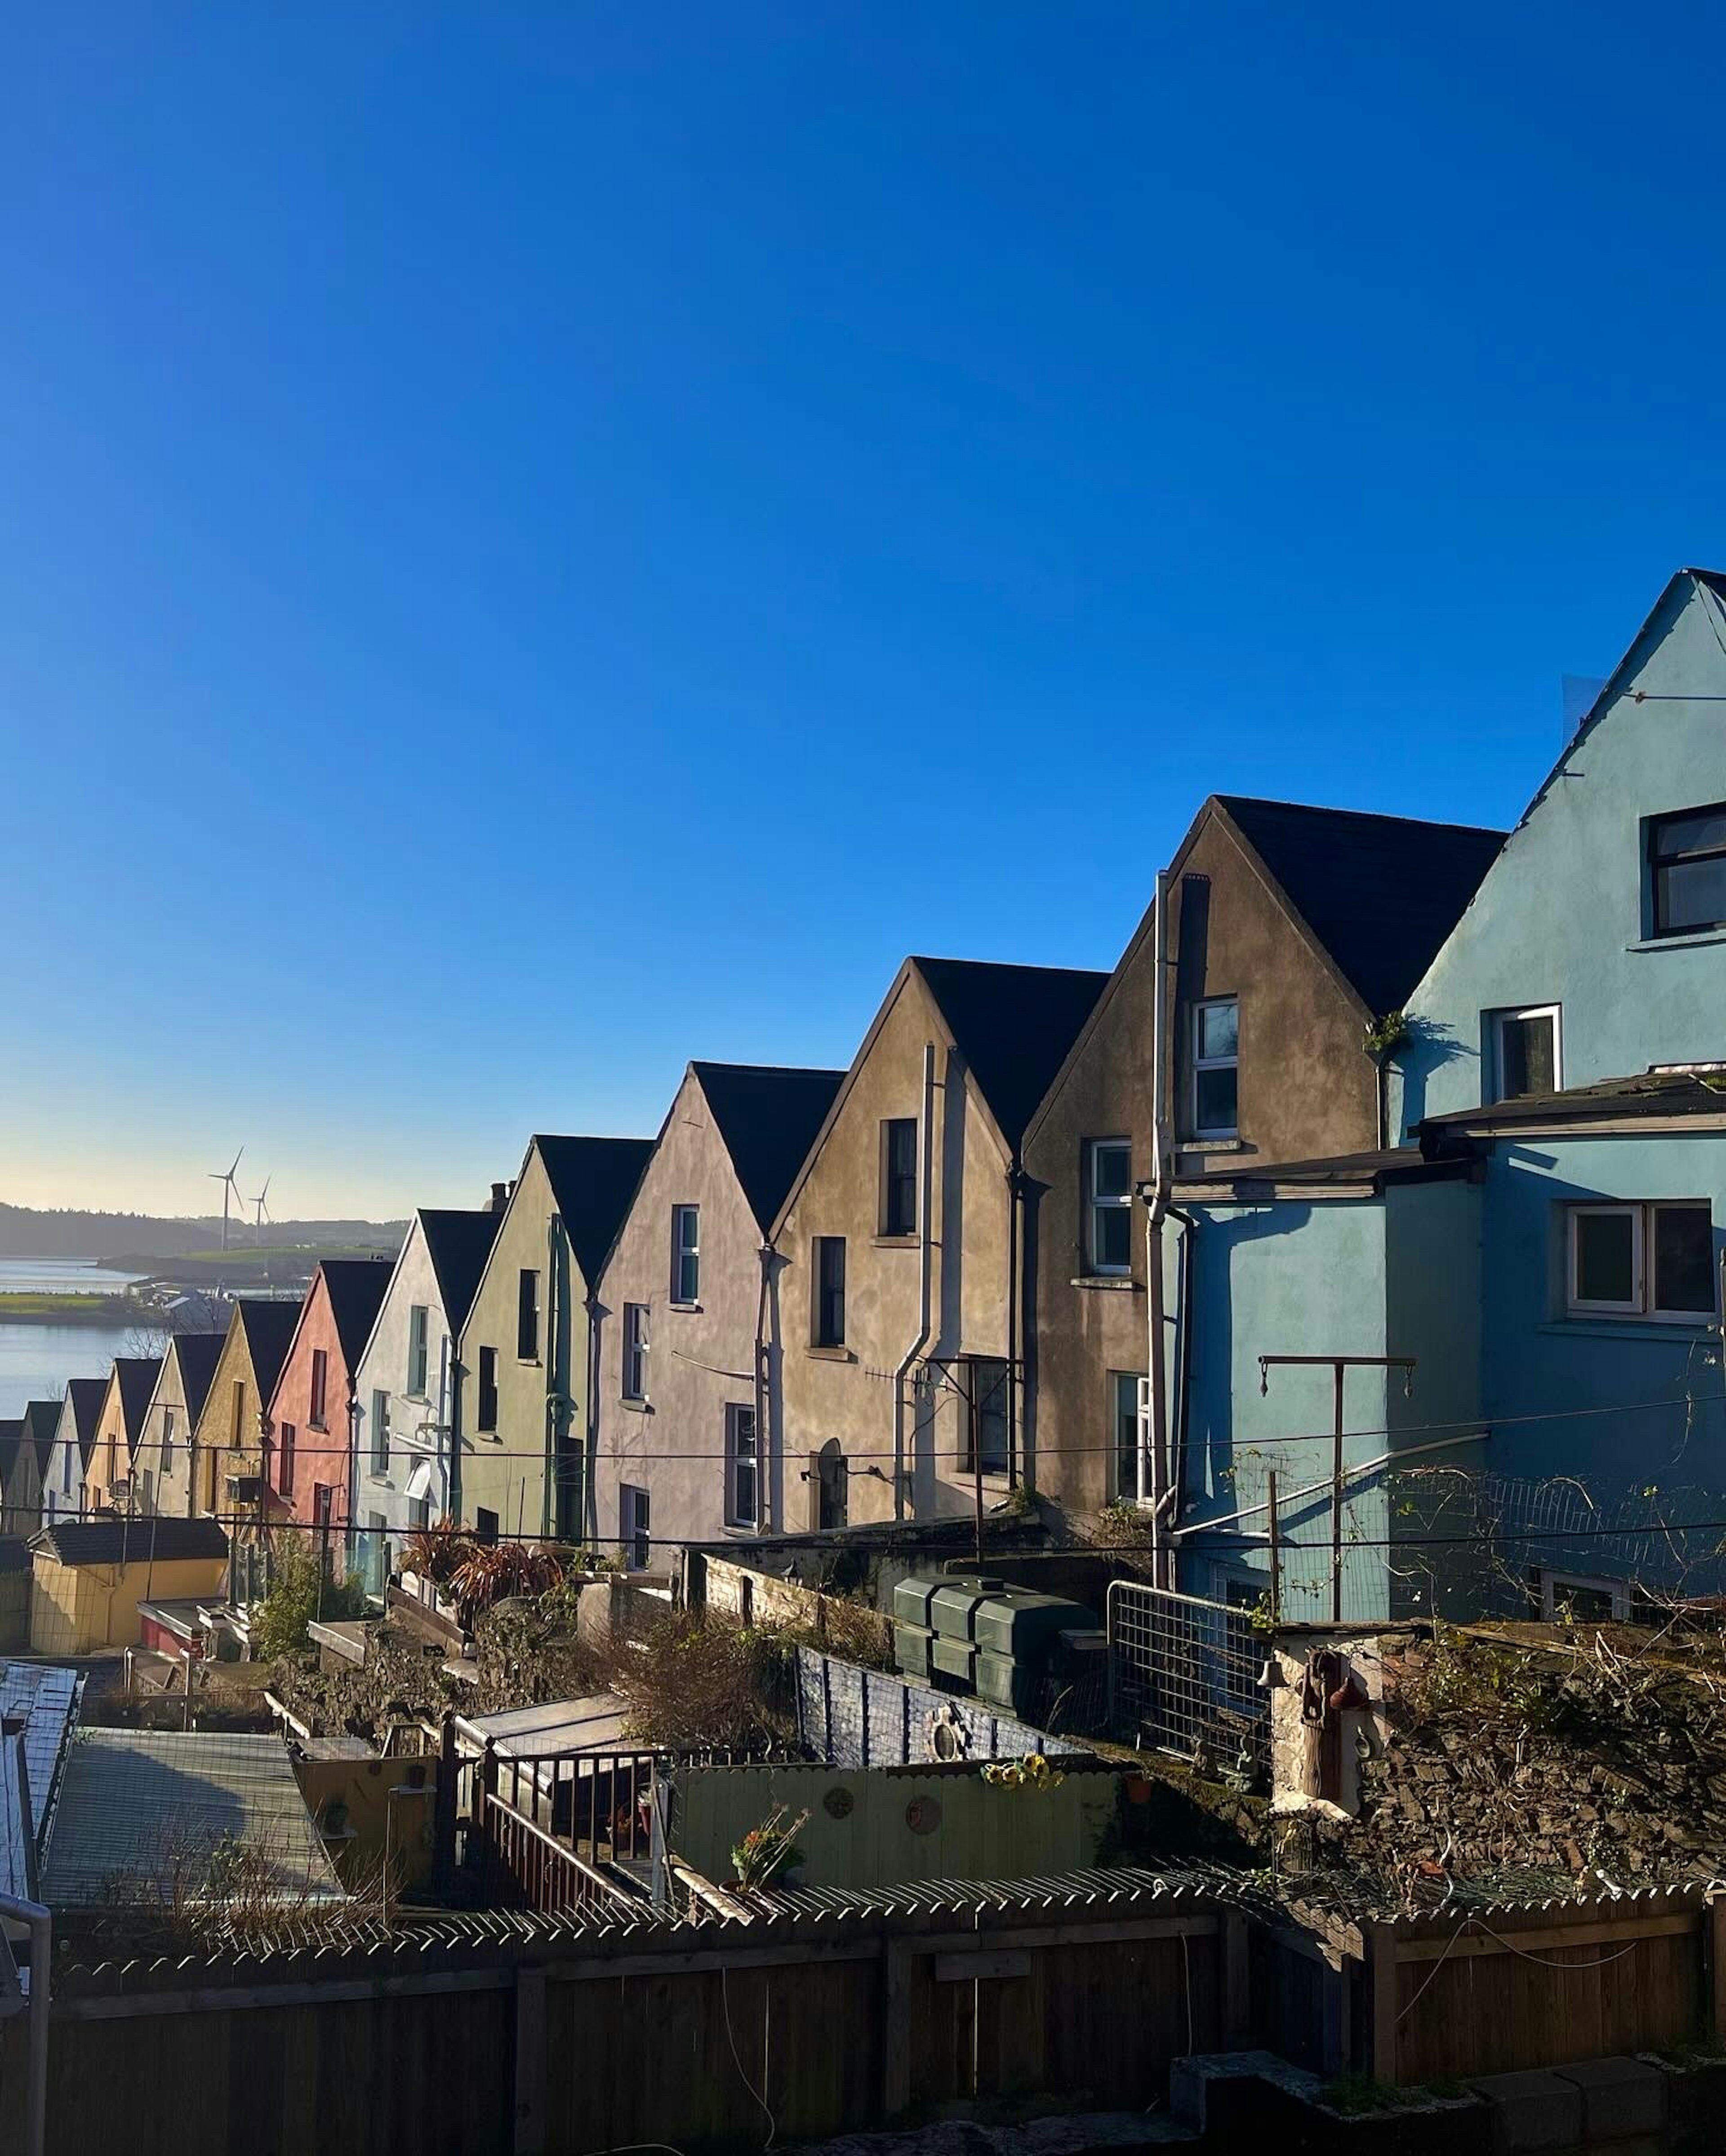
(634, 1407)
(683, 1305)
(1231, 1143)
(487, 1437)
(1120, 1283)
(527, 1362)
(378, 1479)
(911, 1242)
(838, 1354)
(1698, 939)
(1654, 1330)
(740, 1531)
(321, 1428)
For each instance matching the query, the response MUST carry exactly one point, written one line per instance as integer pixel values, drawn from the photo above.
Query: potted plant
(768, 1851)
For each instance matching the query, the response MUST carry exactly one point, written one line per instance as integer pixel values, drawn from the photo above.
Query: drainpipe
(1184, 1375)
(548, 1349)
(1015, 1203)
(590, 1423)
(452, 1478)
(766, 1510)
(354, 1479)
(41, 1923)
(925, 1260)
(1156, 1211)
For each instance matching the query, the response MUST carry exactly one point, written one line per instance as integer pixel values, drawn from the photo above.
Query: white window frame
(685, 1252)
(637, 1345)
(419, 1350)
(735, 1458)
(1096, 1204)
(634, 1525)
(380, 1431)
(167, 1440)
(1554, 1586)
(1139, 1492)
(1203, 1062)
(1642, 1212)
(1501, 1018)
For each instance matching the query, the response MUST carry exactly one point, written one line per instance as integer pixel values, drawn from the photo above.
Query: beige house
(164, 1451)
(67, 1480)
(119, 1427)
(226, 1462)
(688, 1420)
(23, 1468)
(525, 1350)
(902, 1334)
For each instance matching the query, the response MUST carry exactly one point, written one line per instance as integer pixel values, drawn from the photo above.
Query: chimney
(499, 1198)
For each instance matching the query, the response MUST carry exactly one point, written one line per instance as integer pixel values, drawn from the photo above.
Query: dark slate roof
(269, 1330)
(197, 1354)
(1013, 1025)
(355, 1288)
(137, 1375)
(458, 1244)
(592, 1181)
(11, 1434)
(767, 1117)
(42, 1418)
(86, 1395)
(104, 1541)
(1380, 893)
(1659, 1093)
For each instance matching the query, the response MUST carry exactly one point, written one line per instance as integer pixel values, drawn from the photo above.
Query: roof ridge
(1377, 815)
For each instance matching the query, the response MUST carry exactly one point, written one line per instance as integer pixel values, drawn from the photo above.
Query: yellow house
(131, 1383)
(89, 1576)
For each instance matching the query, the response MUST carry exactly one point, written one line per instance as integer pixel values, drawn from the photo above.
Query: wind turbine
(230, 1193)
(263, 1212)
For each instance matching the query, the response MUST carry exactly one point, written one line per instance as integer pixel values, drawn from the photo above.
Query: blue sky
(537, 543)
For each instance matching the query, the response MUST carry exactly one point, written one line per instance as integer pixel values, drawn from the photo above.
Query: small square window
(1686, 864)
(1526, 1051)
(1653, 1260)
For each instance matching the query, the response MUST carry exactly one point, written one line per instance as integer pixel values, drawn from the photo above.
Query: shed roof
(1646, 1095)
(1013, 1025)
(457, 1244)
(113, 1541)
(43, 1696)
(140, 1809)
(592, 1181)
(1380, 893)
(767, 1116)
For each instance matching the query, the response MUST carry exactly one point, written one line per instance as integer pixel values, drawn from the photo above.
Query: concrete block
(1620, 2096)
(1532, 2110)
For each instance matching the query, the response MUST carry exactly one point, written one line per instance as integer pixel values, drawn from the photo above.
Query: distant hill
(62, 1232)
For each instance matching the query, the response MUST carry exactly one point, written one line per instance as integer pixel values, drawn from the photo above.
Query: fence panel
(1183, 1675)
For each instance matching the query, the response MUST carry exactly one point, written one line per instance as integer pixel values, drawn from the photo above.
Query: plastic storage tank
(973, 1634)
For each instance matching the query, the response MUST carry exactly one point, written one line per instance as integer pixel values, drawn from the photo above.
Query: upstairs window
(635, 1351)
(1216, 1067)
(380, 1432)
(988, 1442)
(236, 1413)
(167, 1442)
(527, 1315)
(1687, 864)
(419, 1350)
(320, 1388)
(284, 1461)
(485, 1407)
(743, 1469)
(898, 1176)
(1643, 1260)
(685, 1252)
(1108, 1205)
(1525, 1050)
(830, 1283)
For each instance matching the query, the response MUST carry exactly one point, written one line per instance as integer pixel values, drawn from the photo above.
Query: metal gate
(1183, 1678)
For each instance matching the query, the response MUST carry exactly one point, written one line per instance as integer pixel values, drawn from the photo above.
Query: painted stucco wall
(848, 1394)
(67, 1473)
(111, 1456)
(1561, 917)
(229, 1433)
(418, 1422)
(171, 1473)
(321, 1456)
(1306, 1090)
(503, 1470)
(701, 1359)
(76, 1607)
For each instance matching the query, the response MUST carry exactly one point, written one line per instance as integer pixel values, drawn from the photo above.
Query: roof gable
(458, 1243)
(268, 1328)
(194, 1356)
(41, 1420)
(134, 1378)
(1380, 894)
(767, 1117)
(354, 1288)
(592, 1181)
(85, 1399)
(1013, 1026)
(11, 1434)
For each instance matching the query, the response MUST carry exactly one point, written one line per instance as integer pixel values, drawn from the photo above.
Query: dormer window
(1687, 870)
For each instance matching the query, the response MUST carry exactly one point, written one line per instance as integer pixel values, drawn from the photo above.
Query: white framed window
(380, 1432)
(419, 1350)
(1584, 1600)
(1108, 1205)
(685, 1252)
(635, 1514)
(635, 1351)
(1527, 1051)
(167, 1442)
(1652, 1260)
(1127, 1408)
(1216, 1067)
(743, 1467)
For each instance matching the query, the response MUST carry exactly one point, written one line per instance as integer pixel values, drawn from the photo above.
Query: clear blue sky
(537, 543)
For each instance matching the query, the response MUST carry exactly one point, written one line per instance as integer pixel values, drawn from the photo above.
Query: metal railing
(1183, 1678)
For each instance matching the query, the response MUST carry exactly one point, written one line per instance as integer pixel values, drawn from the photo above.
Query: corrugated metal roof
(551, 1730)
(44, 1697)
(144, 1814)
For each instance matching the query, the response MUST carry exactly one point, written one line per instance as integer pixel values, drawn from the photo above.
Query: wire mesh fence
(1184, 1679)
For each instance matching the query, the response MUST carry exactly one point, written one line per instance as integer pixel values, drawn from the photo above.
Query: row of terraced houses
(1407, 1128)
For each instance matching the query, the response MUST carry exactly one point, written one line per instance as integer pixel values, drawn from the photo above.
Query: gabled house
(74, 1437)
(527, 1346)
(690, 1416)
(308, 1446)
(12, 1476)
(898, 1303)
(228, 1436)
(1289, 932)
(165, 1450)
(409, 1383)
(25, 1505)
(119, 1427)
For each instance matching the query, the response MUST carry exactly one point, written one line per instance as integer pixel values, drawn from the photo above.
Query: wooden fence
(563, 2041)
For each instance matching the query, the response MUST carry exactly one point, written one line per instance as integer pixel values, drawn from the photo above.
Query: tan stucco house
(690, 1421)
(227, 1437)
(165, 1450)
(903, 1352)
(74, 1438)
(527, 1347)
(119, 1427)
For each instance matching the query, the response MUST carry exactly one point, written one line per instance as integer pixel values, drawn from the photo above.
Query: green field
(27, 1306)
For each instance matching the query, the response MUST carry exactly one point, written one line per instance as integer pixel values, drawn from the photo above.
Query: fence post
(1379, 1941)
(531, 2091)
(1234, 1976)
(896, 2028)
(443, 1809)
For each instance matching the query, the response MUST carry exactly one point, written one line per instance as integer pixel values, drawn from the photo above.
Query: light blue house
(1543, 1248)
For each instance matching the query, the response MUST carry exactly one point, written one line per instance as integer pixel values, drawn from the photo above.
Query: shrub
(301, 1593)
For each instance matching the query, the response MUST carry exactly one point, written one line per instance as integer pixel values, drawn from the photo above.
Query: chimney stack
(499, 1197)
